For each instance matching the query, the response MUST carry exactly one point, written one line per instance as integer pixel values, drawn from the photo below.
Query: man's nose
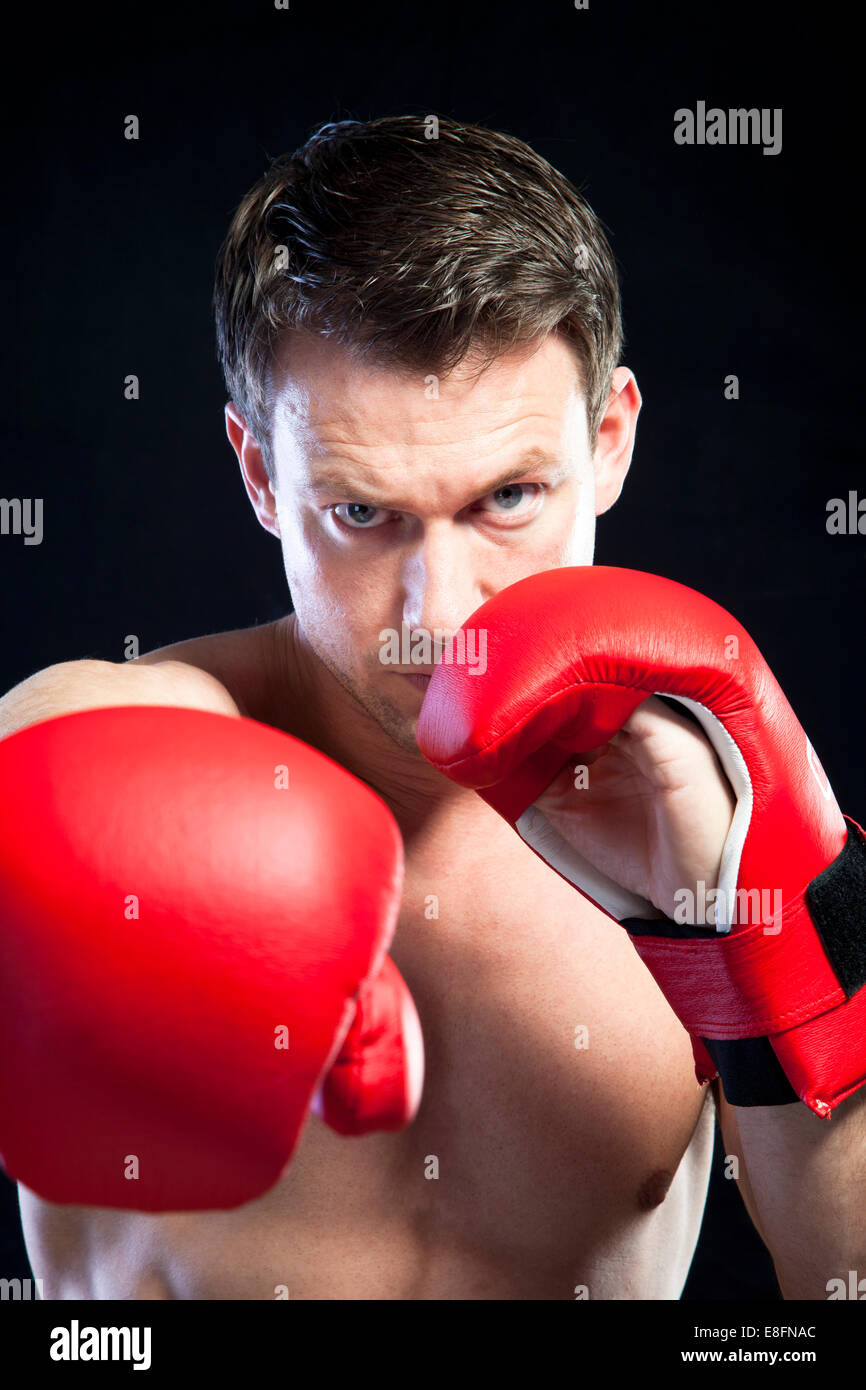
(441, 585)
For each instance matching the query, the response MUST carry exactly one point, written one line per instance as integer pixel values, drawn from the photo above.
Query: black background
(732, 261)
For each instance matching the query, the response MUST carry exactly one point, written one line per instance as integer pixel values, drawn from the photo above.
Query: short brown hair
(413, 252)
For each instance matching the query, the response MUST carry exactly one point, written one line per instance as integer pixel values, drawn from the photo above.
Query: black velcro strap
(836, 900)
(751, 1072)
(663, 926)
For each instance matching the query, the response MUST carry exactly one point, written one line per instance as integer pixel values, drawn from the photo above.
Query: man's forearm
(808, 1177)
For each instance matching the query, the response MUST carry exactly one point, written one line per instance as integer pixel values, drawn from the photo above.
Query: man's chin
(398, 723)
(399, 726)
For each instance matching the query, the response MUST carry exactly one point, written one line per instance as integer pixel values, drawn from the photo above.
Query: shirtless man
(561, 1172)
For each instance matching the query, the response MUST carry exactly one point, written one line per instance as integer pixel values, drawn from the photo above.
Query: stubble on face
(390, 718)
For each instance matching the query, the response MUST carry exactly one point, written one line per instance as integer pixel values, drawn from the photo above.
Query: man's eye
(359, 516)
(515, 499)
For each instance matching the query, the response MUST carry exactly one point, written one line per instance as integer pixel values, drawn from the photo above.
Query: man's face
(404, 502)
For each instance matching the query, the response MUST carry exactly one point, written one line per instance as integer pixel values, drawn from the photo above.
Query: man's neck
(328, 717)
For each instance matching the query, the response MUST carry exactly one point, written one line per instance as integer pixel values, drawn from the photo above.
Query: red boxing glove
(779, 1009)
(190, 906)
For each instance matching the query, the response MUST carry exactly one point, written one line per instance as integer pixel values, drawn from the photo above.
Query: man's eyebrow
(347, 484)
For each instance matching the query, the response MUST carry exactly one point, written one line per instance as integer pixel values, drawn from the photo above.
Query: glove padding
(195, 911)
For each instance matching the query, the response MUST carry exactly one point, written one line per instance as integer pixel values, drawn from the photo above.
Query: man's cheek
(310, 571)
(333, 617)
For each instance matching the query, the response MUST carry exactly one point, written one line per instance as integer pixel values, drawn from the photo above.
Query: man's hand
(656, 807)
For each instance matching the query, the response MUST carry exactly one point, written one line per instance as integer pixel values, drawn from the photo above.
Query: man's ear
(613, 450)
(259, 487)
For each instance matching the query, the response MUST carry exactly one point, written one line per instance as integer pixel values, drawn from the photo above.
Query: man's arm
(803, 1179)
(774, 997)
(80, 685)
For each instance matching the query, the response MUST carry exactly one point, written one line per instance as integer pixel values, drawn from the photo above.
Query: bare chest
(562, 1148)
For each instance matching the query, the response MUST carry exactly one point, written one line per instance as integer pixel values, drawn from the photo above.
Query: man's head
(420, 338)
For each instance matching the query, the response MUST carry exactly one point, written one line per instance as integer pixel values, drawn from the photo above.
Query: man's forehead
(318, 385)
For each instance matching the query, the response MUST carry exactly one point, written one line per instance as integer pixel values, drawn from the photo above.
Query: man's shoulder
(243, 661)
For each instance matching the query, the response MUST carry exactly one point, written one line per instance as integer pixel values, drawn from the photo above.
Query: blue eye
(510, 496)
(359, 516)
(520, 499)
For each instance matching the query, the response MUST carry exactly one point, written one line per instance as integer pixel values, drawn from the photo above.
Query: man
(420, 330)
